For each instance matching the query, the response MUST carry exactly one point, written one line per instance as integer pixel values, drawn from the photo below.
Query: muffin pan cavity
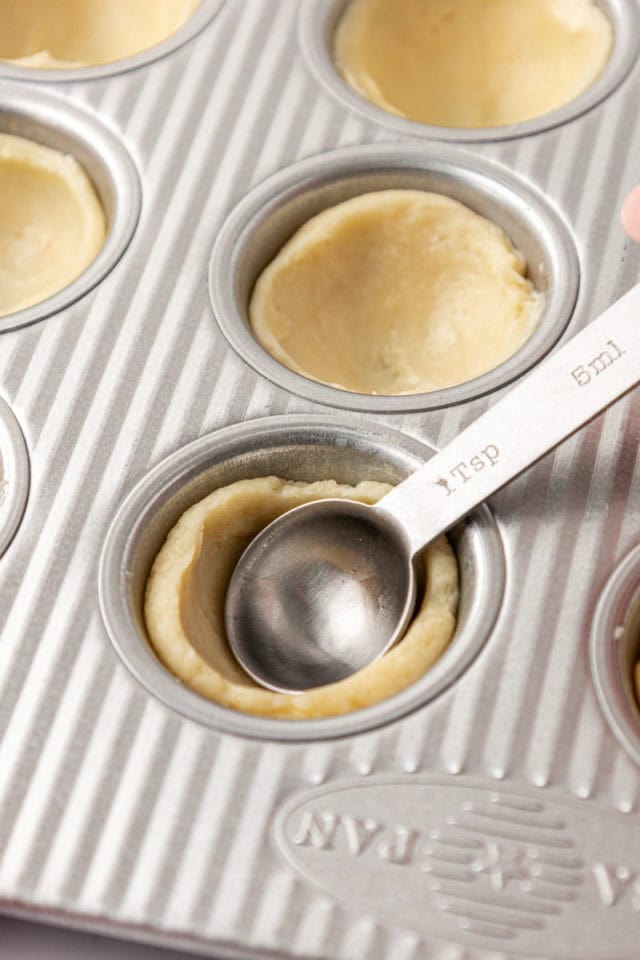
(38, 44)
(14, 475)
(53, 122)
(319, 19)
(615, 651)
(298, 448)
(267, 218)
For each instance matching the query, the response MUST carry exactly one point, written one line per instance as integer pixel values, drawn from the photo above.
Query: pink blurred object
(630, 214)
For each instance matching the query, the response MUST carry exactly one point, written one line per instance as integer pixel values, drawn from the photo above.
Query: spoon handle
(563, 393)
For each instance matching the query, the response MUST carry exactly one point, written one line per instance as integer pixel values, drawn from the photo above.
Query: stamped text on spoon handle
(585, 373)
(464, 471)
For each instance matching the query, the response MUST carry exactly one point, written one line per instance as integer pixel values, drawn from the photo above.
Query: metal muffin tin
(190, 29)
(54, 122)
(14, 475)
(500, 818)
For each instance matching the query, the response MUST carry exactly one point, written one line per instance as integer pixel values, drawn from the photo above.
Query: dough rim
(69, 171)
(45, 59)
(424, 642)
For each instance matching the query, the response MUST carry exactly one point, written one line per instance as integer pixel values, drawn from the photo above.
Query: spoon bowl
(310, 586)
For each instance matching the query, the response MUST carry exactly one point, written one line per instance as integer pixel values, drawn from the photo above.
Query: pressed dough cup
(185, 595)
(304, 449)
(472, 63)
(395, 292)
(68, 33)
(52, 225)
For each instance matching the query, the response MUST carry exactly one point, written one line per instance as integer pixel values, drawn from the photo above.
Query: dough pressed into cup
(184, 604)
(472, 63)
(52, 225)
(75, 33)
(395, 292)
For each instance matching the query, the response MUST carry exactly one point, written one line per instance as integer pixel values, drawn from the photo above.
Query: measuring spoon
(330, 586)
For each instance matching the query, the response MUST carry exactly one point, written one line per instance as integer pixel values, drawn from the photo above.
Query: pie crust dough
(395, 292)
(184, 604)
(44, 34)
(52, 224)
(472, 63)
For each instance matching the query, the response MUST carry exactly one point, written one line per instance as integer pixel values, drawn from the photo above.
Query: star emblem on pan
(503, 866)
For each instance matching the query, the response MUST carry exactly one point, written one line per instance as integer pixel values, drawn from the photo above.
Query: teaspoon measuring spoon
(330, 586)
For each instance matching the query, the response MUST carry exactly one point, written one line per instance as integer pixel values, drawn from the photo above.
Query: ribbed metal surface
(112, 808)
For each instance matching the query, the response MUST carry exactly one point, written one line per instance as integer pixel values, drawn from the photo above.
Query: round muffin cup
(319, 19)
(615, 650)
(261, 224)
(53, 121)
(298, 448)
(193, 26)
(14, 475)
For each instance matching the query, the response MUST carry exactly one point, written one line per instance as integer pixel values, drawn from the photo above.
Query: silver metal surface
(148, 811)
(53, 121)
(615, 651)
(317, 25)
(193, 26)
(299, 448)
(14, 475)
(260, 225)
(329, 587)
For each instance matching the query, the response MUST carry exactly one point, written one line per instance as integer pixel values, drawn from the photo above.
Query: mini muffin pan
(490, 811)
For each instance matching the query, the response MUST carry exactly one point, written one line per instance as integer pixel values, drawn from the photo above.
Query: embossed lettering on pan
(140, 810)
(479, 863)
